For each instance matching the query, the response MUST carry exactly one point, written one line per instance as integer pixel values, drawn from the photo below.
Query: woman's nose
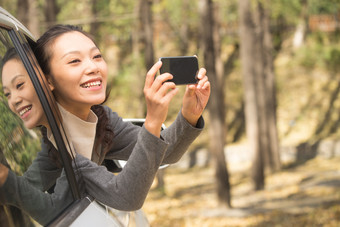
(15, 99)
(91, 67)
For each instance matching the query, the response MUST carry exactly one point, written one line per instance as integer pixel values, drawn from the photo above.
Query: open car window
(29, 187)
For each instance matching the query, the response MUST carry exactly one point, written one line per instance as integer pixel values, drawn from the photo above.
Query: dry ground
(300, 195)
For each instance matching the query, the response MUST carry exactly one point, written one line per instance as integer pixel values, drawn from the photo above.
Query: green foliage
(332, 59)
(323, 7)
(9, 5)
(289, 10)
(319, 52)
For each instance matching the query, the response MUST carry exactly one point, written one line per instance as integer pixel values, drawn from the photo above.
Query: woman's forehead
(12, 70)
(72, 41)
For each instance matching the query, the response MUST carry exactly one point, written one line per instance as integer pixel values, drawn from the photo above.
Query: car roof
(8, 20)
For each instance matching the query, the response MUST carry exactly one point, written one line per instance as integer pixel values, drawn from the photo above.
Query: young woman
(77, 75)
(23, 100)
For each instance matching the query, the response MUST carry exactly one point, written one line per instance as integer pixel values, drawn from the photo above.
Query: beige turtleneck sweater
(80, 133)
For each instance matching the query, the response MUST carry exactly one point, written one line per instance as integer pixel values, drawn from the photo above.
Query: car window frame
(22, 41)
(47, 102)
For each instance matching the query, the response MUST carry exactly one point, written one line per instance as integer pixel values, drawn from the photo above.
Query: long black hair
(43, 52)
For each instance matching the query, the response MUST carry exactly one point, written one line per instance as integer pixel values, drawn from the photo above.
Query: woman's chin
(99, 100)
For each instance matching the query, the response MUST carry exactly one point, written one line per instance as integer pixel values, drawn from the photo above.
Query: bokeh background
(270, 151)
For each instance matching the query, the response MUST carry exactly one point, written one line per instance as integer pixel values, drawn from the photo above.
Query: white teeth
(22, 112)
(91, 84)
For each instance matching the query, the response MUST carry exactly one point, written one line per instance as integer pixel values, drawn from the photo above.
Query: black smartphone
(183, 68)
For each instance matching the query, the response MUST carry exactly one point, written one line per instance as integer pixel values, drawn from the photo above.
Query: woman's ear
(50, 83)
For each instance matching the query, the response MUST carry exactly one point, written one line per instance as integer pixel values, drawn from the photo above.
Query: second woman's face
(78, 73)
(21, 96)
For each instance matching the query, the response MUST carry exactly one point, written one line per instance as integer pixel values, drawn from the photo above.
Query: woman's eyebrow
(13, 79)
(78, 52)
(71, 52)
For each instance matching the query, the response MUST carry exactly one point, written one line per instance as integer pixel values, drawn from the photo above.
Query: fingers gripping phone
(183, 68)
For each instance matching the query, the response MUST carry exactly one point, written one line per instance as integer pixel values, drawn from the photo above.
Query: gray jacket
(125, 191)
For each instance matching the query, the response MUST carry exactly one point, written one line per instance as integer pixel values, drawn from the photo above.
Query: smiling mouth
(91, 84)
(25, 110)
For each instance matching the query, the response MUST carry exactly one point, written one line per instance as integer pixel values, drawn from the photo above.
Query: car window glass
(20, 146)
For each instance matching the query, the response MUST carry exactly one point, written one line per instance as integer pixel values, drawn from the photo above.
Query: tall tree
(216, 102)
(146, 25)
(27, 14)
(259, 86)
(143, 49)
(184, 29)
(145, 17)
(51, 10)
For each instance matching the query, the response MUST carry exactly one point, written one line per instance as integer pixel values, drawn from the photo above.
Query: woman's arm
(41, 206)
(180, 135)
(43, 172)
(128, 190)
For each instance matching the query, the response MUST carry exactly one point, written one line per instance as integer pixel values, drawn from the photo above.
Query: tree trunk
(51, 10)
(184, 29)
(216, 103)
(22, 14)
(33, 15)
(143, 50)
(146, 20)
(28, 15)
(139, 68)
(143, 46)
(259, 86)
(95, 25)
(274, 163)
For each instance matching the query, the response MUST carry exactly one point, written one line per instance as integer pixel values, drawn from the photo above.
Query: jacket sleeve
(128, 190)
(179, 135)
(42, 207)
(43, 172)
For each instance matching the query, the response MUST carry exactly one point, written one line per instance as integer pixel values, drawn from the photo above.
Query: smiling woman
(24, 102)
(77, 74)
(19, 91)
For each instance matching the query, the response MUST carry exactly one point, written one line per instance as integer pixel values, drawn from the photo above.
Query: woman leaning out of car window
(77, 75)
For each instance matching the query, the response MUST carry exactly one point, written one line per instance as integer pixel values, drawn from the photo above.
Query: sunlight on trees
(303, 61)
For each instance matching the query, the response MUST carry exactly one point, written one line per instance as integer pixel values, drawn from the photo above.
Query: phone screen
(184, 69)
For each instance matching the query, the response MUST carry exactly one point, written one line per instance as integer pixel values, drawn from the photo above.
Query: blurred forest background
(272, 121)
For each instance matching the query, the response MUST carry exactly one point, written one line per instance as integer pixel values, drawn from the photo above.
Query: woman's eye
(7, 94)
(74, 61)
(98, 56)
(19, 85)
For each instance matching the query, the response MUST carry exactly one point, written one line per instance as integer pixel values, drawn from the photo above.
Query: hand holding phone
(183, 68)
